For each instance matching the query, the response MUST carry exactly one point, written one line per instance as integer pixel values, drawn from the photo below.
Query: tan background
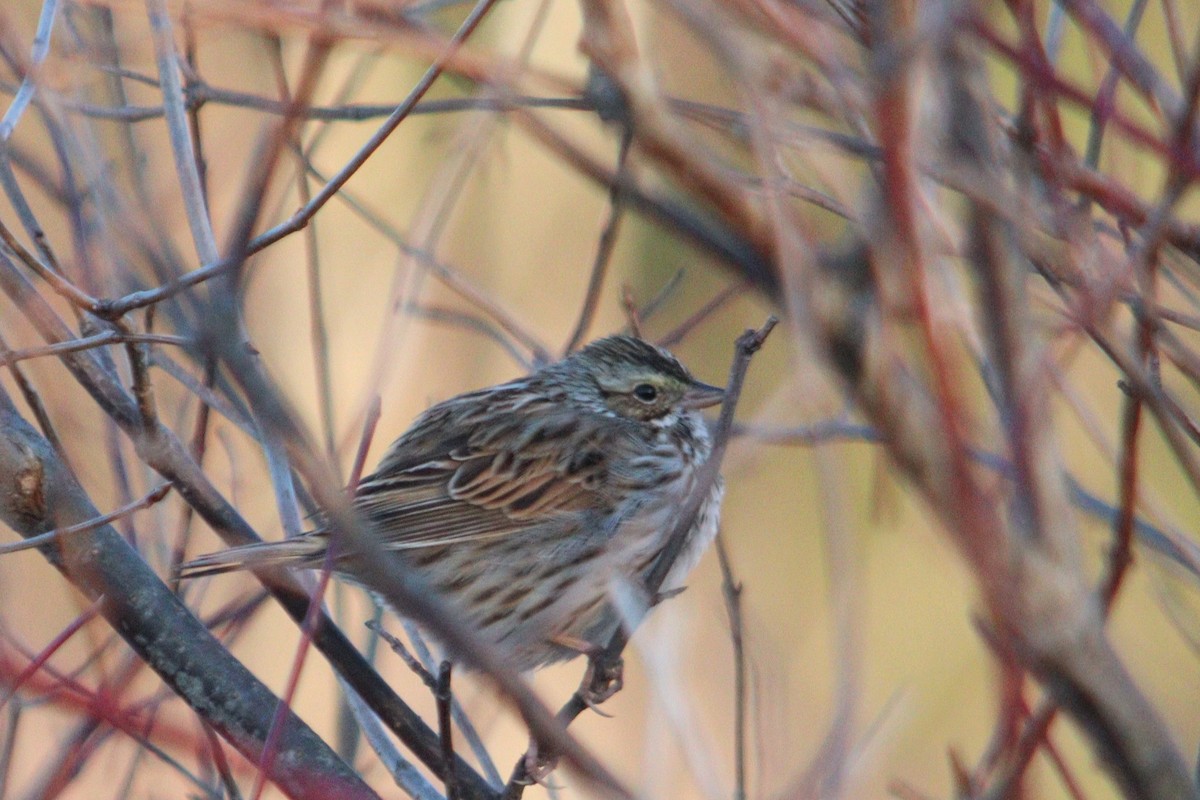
(523, 231)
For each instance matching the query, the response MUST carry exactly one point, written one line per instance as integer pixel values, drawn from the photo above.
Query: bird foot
(538, 766)
(604, 678)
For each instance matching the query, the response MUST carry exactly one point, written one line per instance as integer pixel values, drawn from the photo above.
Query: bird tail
(302, 551)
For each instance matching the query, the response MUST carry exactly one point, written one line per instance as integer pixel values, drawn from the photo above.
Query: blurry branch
(271, 750)
(198, 94)
(32, 398)
(221, 763)
(1044, 615)
(475, 324)
(444, 698)
(183, 147)
(505, 325)
(633, 315)
(438, 203)
(658, 301)
(13, 686)
(1173, 545)
(693, 224)
(405, 774)
(439, 687)
(233, 261)
(101, 339)
(1054, 86)
(101, 710)
(41, 494)
(24, 95)
(604, 248)
(729, 121)
(1108, 89)
(318, 317)
(202, 388)
(1132, 63)
(608, 39)
(706, 311)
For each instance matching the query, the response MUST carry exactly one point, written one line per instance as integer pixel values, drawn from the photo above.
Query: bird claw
(538, 766)
(662, 597)
(593, 702)
(603, 679)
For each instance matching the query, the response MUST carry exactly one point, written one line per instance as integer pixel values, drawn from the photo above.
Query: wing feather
(511, 461)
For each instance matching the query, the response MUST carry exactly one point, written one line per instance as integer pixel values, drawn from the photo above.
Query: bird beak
(701, 395)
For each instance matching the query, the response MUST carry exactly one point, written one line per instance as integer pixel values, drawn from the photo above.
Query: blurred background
(866, 673)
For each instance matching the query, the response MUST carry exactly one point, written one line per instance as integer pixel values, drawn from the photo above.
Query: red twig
(86, 616)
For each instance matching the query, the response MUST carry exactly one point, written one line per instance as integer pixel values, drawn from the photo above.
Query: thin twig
(55, 644)
(731, 591)
(217, 753)
(604, 247)
(1107, 91)
(426, 676)
(465, 726)
(49, 537)
(703, 313)
(182, 147)
(445, 701)
(102, 339)
(275, 733)
(34, 400)
(41, 49)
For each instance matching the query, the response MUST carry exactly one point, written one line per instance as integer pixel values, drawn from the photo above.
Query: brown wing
(485, 465)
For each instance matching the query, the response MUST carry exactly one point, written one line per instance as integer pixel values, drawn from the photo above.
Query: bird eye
(646, 392)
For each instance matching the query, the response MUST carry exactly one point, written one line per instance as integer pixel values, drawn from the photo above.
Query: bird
(527, 503)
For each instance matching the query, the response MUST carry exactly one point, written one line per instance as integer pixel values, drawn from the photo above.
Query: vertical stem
(731, 590)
